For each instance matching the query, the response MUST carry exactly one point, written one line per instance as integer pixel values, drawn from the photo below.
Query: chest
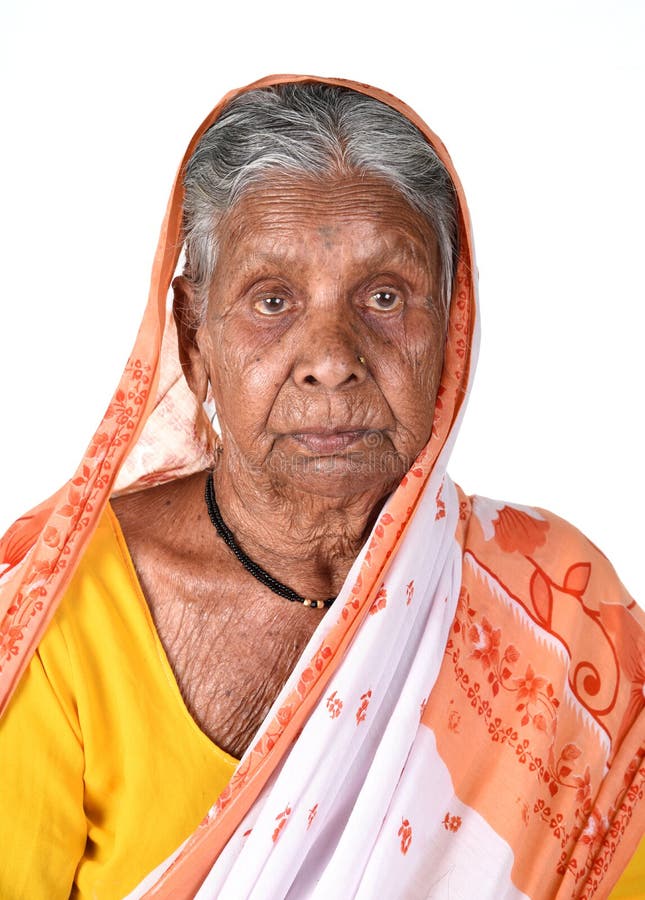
(231, 654)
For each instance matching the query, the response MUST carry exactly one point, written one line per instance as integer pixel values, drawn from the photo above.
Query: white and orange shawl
(469, 717)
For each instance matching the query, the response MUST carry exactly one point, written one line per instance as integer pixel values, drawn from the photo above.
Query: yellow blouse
(102, 768)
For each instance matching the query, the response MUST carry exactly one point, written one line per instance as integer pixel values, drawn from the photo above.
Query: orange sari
(535, 715)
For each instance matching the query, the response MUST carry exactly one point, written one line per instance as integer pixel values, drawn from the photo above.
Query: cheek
(410, 370)
(246, 376)
(424, 347)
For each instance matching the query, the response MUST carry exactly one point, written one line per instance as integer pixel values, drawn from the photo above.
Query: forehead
(360, 217)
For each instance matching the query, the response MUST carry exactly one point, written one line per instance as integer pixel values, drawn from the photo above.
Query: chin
(339, 476)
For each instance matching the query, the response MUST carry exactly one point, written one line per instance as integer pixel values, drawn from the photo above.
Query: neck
(306, 540)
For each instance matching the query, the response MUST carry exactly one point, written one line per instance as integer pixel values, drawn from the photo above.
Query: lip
(328, 442)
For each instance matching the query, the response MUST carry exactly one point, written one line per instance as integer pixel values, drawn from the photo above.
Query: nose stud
(361, 360)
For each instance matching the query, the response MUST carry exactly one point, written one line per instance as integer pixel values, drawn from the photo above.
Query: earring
(361, 360)
(213, 438)
(209, 408)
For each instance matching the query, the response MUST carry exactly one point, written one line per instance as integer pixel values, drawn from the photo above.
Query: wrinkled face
(323, 338)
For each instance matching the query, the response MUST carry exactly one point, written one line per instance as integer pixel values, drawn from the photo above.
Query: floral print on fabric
(543, 681)
(543, 658)
(31, 570)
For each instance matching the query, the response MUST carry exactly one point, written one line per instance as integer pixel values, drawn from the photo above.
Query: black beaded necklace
(253, 568)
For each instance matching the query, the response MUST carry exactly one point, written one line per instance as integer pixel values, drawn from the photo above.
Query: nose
(330, 358)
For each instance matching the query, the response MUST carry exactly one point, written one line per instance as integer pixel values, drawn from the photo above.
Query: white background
(541, 106)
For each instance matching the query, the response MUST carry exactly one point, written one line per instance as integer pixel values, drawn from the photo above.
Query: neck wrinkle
(309, 549)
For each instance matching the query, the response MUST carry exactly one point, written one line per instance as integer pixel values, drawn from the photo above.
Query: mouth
(327, 442)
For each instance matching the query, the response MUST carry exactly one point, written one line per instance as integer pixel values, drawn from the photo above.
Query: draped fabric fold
(468, 698)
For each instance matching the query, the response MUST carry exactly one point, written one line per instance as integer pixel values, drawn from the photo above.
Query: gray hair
(315, 130)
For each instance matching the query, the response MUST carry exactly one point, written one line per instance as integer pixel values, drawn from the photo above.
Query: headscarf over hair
(377, 769)
(153, 429)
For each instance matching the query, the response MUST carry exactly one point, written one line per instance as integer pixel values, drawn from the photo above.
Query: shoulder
(172, 546)
(167, 519)
(102, 595)
(535, 575)
(517, 537)
(549, 649)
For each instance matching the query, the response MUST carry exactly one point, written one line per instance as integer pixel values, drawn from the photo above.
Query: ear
(190, 356)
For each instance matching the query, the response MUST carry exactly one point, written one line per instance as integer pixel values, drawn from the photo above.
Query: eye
(271, 306)
(385, 301)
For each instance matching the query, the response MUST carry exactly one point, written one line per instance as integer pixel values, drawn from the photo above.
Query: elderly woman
(287, 656)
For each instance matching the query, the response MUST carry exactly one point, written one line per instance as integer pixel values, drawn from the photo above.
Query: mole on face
(326, 233)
